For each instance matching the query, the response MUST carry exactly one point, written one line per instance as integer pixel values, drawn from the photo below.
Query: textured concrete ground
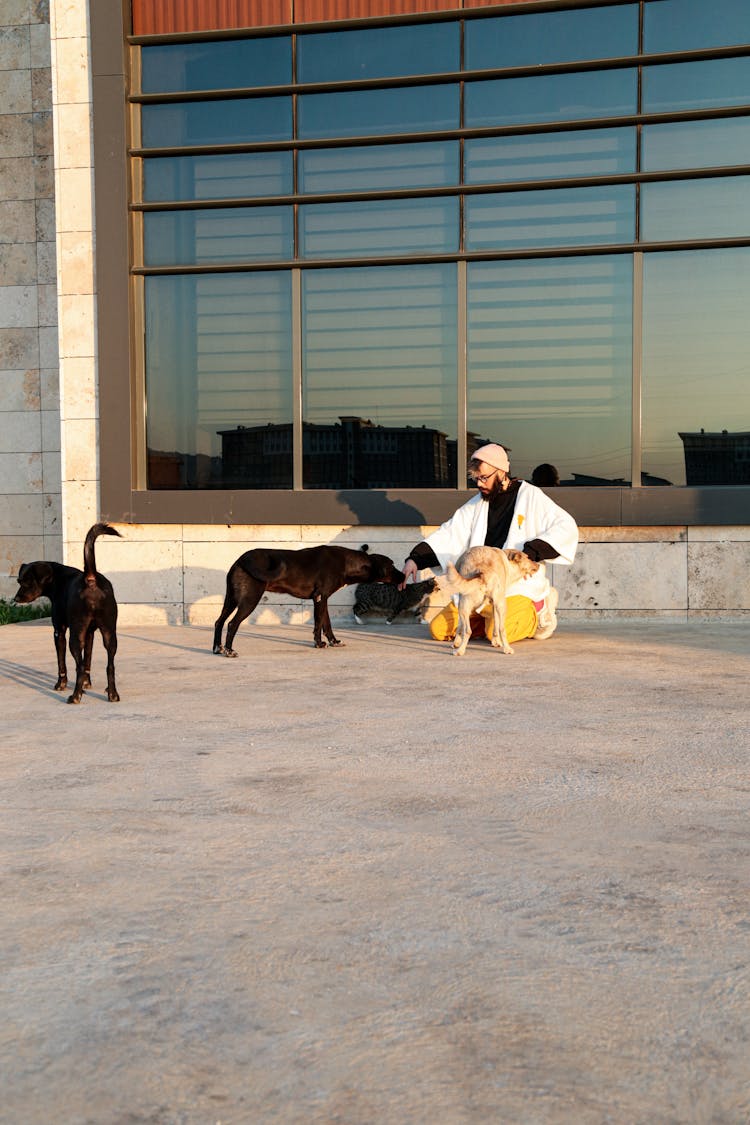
(378, 884)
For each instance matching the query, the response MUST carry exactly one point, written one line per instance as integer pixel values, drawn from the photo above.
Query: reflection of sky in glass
(715, 208)
(254, 234)
(379, 167)
(218, 355)
(380, 344)
(696, 144)
(379, 228)
(549, 362)
(229, 176)
(690, 25)
(228, 121)
(219, 65)
(562, 217)
(379, 52)
(697, 85)
(696, 351)
(549, 37)
(550, 97)
(588, 152)
(378, 112)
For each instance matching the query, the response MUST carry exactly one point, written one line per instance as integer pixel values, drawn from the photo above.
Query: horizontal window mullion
(580, 251)
(494, 73)
(437, 192)
(711, 113)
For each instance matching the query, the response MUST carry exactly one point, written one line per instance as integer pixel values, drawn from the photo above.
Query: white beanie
(493, 455)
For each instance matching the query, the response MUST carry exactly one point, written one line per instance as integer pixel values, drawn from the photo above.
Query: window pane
(378, 112)
(218, 381)
(216, 122)
(237, 234)
(696, 85)
(716, 208)
(551, 97)
(689, 25)
(378, 167)
(380, 52)
(236, 176)
(379, 372)
(382, 228)
(696, 340)
(591, 152)
(220, 65)
(549, 37)
(549, 363)
(696, 144)
(562, 217)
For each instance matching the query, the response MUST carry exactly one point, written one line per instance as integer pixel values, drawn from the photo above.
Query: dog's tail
(89, 562)
(458, 583)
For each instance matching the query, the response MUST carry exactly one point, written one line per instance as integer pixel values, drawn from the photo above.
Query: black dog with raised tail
(82, 602)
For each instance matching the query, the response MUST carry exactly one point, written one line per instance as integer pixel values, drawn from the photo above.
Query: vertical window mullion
(297, 429)
(636, 452)
(461, 374)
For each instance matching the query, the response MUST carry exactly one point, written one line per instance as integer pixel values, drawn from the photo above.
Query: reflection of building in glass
(588, 481)
(717, 458)
(352, 453)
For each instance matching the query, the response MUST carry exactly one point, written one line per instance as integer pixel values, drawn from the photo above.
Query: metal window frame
(120, 328)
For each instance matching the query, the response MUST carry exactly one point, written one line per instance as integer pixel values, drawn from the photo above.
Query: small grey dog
(373, 599)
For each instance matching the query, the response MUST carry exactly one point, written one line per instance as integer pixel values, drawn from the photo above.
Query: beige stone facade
(48, 393)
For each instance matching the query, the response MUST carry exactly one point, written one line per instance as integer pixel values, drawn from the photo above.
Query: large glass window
(354, 250)
(549, 363)
(696, 377)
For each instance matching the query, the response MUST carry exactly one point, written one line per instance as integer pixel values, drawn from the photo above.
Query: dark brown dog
(82, 602)
(314, 572)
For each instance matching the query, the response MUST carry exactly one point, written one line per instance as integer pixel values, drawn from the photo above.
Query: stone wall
(171, 574)
(30, 496)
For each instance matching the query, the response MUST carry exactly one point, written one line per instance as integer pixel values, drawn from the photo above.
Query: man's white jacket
(535, 516)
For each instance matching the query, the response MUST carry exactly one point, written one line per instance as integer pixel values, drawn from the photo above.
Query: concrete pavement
(378, 884)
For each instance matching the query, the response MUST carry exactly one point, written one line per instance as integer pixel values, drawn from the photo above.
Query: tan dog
(483, 574)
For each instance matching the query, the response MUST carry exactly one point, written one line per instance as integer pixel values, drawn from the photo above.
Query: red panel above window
(164, 17)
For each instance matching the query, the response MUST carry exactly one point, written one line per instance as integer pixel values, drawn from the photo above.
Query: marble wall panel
(20, 390)
(718, 575)
(20, 431)
(21, 472)
(140, 572)
(625, 576)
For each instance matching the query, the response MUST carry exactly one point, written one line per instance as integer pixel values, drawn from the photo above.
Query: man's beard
(495, 489)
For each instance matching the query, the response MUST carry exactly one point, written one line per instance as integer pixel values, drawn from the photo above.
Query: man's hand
(410, 571)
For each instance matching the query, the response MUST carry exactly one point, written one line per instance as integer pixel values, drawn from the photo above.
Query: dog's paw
(230, 652)
(113, 697)
(74, 698)
(61, 685)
